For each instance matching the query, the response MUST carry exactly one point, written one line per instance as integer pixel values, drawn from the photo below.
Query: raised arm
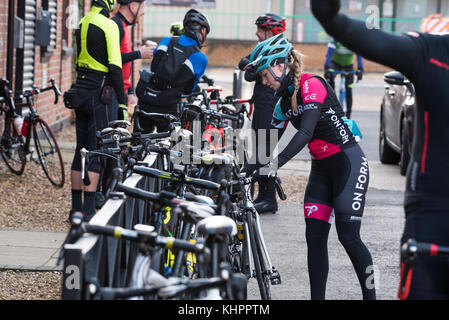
(374, 44)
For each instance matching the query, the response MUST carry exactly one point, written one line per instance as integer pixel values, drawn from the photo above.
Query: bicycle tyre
(264, 266)
(49, 153)
(264, 293)
(15, 159)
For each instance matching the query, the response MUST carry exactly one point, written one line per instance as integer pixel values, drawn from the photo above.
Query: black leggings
(429, 274)
(91, 116)
(264, 103)
(337, 184)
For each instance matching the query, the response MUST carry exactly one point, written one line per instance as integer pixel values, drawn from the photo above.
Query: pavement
(30, 250)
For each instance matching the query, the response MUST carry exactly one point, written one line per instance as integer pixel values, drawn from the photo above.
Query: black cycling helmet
(273, 22)
(108, 5)
(193, 22)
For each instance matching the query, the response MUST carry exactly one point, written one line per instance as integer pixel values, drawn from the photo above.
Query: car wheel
(386, 154)
(405, 153)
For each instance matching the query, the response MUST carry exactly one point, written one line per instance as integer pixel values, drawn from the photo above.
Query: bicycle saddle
(219, 225)
(229, 108)
(197, 211)
(224, 158)
(109, 131)
(200, 199)
(119, 124)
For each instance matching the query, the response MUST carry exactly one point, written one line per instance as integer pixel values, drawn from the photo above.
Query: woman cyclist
(424, 59)
(339, 176)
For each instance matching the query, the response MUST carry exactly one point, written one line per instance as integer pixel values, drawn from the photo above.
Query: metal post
(20, 51)
(10, 58)
(282, 8)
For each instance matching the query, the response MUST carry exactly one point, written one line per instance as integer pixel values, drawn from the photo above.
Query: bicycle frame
(247, 207)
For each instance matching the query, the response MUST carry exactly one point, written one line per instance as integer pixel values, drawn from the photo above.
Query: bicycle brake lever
(280, 191)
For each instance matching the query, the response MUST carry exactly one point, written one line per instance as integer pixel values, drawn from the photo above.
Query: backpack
(160, 87)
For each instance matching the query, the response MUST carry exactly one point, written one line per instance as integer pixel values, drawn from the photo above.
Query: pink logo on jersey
(311, 97)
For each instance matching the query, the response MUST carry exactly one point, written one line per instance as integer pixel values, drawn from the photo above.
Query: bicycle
(147, 283)
(248, 253)
(16, 138)
(342, 88)
(196, 215)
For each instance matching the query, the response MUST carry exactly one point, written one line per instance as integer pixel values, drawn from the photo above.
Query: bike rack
(107, 259)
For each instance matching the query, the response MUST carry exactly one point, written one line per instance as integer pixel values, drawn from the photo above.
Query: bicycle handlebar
(256, 177)
(137, 136)
(412, 248)
(199, 183)
(215, 114)
(35, 91)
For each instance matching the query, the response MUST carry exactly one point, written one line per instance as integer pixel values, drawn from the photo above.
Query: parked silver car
(396, 121)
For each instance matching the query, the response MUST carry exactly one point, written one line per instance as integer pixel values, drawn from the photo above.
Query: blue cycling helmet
(270, 52)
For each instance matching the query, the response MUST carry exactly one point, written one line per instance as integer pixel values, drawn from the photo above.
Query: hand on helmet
(243, 63)
(325, 9)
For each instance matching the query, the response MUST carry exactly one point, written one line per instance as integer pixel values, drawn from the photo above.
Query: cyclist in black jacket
(424, 59)
(268, 25)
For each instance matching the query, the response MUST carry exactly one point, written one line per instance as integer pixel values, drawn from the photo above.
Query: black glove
(243, 63)
(359, 74)
(327, 73)
(123, 112)
(325, 9)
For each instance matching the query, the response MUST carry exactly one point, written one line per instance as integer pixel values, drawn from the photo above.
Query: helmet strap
(135, 15)
(284, 72)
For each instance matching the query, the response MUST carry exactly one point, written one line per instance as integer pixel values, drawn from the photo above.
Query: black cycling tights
(336, 189)
(317, 232)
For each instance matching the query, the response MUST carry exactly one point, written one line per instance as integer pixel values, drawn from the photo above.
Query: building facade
(234, 19)
(36, 45)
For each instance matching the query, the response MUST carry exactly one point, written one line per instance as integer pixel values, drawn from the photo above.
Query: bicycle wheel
(263, 265)
(12, 149)
(49, 153)
(262, 277)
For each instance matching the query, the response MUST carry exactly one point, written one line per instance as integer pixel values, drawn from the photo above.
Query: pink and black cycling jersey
(319, 119)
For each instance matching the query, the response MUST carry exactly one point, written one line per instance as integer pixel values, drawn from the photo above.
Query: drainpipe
(10, 50)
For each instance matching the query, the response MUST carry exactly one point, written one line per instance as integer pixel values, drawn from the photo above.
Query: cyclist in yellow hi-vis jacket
(100, 91)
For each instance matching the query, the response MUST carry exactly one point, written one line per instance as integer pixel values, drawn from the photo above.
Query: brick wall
(58, 67)
(55, 66)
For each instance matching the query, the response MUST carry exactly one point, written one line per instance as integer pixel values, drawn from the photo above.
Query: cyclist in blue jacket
(178, 65)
